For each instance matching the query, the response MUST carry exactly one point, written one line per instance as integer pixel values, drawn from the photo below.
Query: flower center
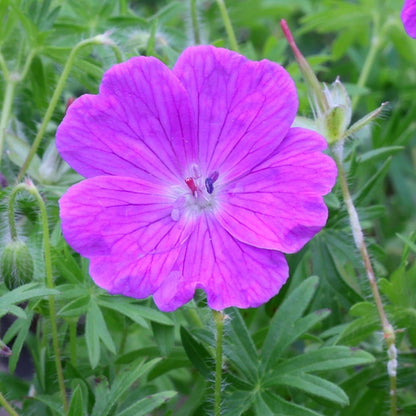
(199, 195)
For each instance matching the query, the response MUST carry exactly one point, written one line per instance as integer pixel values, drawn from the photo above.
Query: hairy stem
(28, 186)
(100, 40)
(11, 80)
(228, 26)
(388, 330)
(219, 318)
(5, 113)
(7, 406)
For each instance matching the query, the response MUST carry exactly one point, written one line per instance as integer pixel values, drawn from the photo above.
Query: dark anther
(209, 184)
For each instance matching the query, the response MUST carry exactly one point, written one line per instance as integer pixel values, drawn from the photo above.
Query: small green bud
(334, 128)
(16, 264)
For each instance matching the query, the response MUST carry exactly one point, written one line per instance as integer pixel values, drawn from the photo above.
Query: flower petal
(243, 108)
(408, 16)
(140, 122)
(230, 272)
(279, 204)
(136, 276)
(120, 216)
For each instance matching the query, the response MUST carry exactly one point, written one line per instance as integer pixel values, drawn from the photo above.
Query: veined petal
(114, 215)
(137, 276)
(230, 272)
(243, 108)
(408, 16)
(279, 204)
(140, 122)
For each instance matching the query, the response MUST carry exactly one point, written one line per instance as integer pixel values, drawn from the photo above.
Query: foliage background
(316, 348)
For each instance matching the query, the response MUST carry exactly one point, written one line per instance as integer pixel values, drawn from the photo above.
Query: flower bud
(16, 264)
(331, 106)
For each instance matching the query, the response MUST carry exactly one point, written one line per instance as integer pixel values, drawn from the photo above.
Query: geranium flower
(408, 16)
(195, 179)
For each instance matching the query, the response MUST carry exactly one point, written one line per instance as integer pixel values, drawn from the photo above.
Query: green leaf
(18, 149)
(367, 191)
(380, 153)
(21, 326)
(237, 403)
(144, 406)
(197, 354)
(324, 359)
(76, 307)
(24, 293)
(137, 313)
(309, 384)
(76, 407)
(177, 359)
(92, 339)
(407, 241)
(53, 402)
(120, 385)
(95, 317)
(282, 329)
(239, 346)
(281, 407)
(361, 328)
(164, 336)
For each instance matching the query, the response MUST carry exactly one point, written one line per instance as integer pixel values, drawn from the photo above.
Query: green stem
(73, 341)
(375, 44)
(11, 81)
(388, 330)
(7, 406)
(228, 26)
(3, 67)
(10, 212)
(5, 113)
(100, 39)
(219, 318)
(191, 315)
(195, 25)
(30, 188)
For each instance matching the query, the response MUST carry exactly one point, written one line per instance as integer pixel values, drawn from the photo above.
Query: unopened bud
(16, 264)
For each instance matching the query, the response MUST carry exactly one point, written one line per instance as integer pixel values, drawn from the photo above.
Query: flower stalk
(333, 110)
(96, 40)
(219, 318)
(11, 79)
(7, 406)
(388, 330)
(228, 26)
(29, 187)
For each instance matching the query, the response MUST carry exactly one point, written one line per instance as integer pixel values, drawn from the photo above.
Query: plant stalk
(388, 330)
(219, 318)
(29, 187)
(375, 44)
(100, 40)
(227, 24)
(7, 406)
(11, 80)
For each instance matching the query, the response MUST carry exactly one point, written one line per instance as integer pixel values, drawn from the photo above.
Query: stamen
(191, 184)
(214, 176)
(209, 184)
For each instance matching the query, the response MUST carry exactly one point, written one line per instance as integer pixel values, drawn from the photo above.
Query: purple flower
(408, 16)
(195, 179)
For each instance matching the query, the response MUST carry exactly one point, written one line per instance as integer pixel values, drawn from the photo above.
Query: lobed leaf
(282, 329)
(146, 405)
